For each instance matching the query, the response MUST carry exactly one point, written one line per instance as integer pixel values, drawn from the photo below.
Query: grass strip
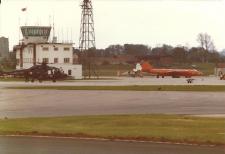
(11, 79)
(172, 128)
(203, 88)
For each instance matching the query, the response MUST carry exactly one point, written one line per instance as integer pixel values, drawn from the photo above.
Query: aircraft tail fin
(146, 67)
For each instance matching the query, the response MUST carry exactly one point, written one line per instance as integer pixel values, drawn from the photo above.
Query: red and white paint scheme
(175, 73)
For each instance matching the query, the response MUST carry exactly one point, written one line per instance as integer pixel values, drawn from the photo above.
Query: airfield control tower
(35, 34)
(36, 48)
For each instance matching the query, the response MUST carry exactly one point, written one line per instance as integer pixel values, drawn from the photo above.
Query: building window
(69, 72)
(45, 48)
(17, 61)
(45, 60)
(66, 49)
(56, 48)
(55, 60)
(30, 50)
(66, 60)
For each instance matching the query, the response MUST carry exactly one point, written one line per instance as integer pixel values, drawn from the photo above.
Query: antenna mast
(87, 33)
(53, 26)
(87, 38)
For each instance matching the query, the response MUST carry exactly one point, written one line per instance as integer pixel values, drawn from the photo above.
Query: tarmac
(51, 103)
(120, 81)
(45, 103)
(27, 145)
(35, 103)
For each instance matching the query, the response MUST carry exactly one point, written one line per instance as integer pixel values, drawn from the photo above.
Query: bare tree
(201, 39)
(206, 42)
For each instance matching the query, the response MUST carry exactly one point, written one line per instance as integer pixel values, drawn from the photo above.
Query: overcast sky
(150, 22)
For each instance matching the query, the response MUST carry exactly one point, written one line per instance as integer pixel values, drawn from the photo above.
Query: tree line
(204, 53)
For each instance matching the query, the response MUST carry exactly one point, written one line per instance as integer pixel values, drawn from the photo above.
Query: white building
(36, 49)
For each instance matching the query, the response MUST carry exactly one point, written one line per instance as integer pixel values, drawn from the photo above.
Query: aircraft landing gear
(190, 80)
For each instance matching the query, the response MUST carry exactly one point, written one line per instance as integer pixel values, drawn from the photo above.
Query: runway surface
(26, 145)
(119, 81)
(42, 103)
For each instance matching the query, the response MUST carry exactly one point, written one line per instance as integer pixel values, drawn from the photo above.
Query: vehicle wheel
(162, 76)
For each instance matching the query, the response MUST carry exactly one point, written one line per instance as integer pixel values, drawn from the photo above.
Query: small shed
(220, 69)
